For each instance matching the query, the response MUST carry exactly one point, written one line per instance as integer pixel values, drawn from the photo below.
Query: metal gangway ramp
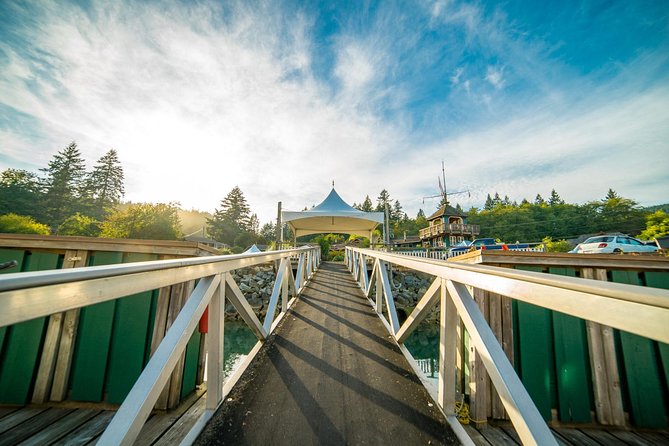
(330, 374)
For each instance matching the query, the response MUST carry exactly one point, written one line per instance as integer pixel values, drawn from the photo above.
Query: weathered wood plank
(88, 431)
(33, 425)
(600, 261)
(575, 436)
(497, 436)
(174, 394)
(20, 416)
(58, 342)
(631, 438)
(182, 426)
(654, 437)
(159, 423)
(475, 435)
(604, 366)
(496, 324)
(61, 243)
(603, 437)
(174, 306)
(56, 431)
(479, 381)
(47, 362)
(61, 373)
(7, 410)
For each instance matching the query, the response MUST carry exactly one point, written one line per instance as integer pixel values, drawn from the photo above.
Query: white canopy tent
(333, 215)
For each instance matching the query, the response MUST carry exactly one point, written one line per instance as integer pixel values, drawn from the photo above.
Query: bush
(557, 246)
(22, 224)
(79, 224)
(144, 221)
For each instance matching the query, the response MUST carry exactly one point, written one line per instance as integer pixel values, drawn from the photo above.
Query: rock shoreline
(257, 283)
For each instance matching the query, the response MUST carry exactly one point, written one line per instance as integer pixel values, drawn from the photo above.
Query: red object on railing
(204, 322)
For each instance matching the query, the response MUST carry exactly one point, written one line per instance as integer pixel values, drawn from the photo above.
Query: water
(238, 342)
(423, 345)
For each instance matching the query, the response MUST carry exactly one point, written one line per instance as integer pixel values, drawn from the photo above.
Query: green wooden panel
(152, 321)
(89, 363)
(128, 343)
(661, 280)
(5, 256)
(535, 329)
(24, 342)
(572, 364)
(190, 364)
(642, 370)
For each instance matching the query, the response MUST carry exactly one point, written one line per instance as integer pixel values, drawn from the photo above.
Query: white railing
(443, 254)
(26, 296)
(639, 310)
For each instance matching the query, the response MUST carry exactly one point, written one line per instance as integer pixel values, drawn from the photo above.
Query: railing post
(448, 324)
(355, 266)
(288, 269)
(215, 343)
(299, 276)
(379, 287)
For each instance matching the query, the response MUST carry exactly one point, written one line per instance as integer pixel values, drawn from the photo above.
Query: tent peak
(333, 202)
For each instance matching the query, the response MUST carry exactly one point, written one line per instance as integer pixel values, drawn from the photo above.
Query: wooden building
(447, 227)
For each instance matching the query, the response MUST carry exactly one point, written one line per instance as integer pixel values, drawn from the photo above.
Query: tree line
(66, 199)
(534, 221)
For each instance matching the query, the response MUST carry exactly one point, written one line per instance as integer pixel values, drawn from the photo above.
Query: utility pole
(279, 227)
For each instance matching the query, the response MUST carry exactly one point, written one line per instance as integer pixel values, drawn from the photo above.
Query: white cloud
(195, 106)
(495, 77)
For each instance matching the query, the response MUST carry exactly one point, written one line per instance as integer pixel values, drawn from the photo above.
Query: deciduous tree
(144, 221)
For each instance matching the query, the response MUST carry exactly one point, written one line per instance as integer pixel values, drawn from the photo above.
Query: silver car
(612, 243)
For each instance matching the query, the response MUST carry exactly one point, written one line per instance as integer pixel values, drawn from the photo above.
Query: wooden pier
(330, 374)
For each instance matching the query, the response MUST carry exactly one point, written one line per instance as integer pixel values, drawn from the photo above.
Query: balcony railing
(449, 229)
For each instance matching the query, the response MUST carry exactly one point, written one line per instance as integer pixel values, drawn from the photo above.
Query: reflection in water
(423, 344)
(239, 340)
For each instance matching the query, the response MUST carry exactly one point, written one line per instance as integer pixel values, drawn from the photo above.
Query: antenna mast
(443, 194)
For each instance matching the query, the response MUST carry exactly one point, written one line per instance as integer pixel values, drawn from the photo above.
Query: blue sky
(281, 98)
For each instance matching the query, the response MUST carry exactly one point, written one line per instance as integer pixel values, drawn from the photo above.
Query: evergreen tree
(254, 224)
(268, 233)
(555, 199)
(63, 184)
(20, 193)
(496, 201)
(506, 201)
(489, 204)
(104, 185)
(420, 214)
(367, 205)
(620, 214)
(459, 208)
(382, 200)
(396, 212)
(611, 195)
(233, 218)
(539, 200)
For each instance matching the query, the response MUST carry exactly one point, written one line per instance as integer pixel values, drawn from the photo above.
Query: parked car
(612, 244)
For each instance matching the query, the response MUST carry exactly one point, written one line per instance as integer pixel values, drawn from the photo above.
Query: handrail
(607, 303)
(29, 295)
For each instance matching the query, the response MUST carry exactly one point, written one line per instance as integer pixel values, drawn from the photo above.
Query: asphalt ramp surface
(330, 375)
